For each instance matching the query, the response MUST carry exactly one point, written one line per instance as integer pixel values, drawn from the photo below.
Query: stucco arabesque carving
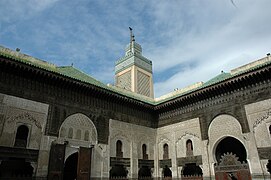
(187, 133)
(27, 116)
(261, 119)
(163, 139)
(120, 134)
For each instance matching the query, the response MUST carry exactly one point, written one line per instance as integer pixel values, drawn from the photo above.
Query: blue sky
(188, 40)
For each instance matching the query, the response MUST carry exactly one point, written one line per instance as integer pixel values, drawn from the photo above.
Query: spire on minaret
(133, 72)
(132, 36)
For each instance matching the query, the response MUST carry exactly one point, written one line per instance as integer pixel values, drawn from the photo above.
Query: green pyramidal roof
(68, 71)
(218, 78)
(71, 72)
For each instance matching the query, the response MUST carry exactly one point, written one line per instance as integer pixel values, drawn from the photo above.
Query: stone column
(206, 170)
(253, 156)
(156, 161)
(134, 161)
(44, 153)
(174, 158)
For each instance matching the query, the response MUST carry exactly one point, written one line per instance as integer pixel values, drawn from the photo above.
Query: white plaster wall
(17, 111)
(176, 136)
(259, 120)
(128, 134)
(132, 137)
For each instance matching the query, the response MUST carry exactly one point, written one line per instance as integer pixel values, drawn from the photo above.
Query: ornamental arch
(222, 126)
(231, 159)
(78, 127)
(72, 152)
(229, 153)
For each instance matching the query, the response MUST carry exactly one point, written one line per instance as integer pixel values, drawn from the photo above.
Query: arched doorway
(16, 168)
(118, 172)
(231, 157)
(144, 173)
(231, 145)
(70, 167)
(167, 172)
(191, 170)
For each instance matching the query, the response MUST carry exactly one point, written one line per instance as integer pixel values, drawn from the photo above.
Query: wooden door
(84, 163)
(56, 162)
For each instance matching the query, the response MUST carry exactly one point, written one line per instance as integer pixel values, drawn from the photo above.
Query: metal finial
(132, 37)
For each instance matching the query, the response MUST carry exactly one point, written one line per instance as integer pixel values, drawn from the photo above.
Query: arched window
(62, 132)
(144, 151)
(78, 134)
(21, 136)
(70, 133)
(270, 129)
(189, 148)
(119, 152)
(86, 138)
(165, 149)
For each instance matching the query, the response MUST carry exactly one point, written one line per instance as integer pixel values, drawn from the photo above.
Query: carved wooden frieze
(117, 161)
(145, 163)
(165, 162)
(190, 159)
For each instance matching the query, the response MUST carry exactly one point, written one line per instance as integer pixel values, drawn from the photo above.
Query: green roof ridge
(67, 71)
(217, 78)
(74, 73)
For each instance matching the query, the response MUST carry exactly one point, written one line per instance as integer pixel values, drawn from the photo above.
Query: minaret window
(21, 136)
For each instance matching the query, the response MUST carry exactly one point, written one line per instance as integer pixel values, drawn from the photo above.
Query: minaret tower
(133, 72)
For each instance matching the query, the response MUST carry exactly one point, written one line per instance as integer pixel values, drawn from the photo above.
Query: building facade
(59, 123)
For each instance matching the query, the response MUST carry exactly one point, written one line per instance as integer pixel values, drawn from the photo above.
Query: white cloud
(14, 10)
(194, 40)
(212, 46)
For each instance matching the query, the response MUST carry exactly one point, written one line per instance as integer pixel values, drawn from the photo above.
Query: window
(144, 151)
(78, 134)
(86, 138)
(189, 148)
(62, 132)
(119, 152)
(270, 129)
(70, 133)
(21, 136)
(165, 149)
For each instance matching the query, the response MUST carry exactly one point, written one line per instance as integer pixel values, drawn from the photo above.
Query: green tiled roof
(218, 78)
(223, 76)
(71, 72)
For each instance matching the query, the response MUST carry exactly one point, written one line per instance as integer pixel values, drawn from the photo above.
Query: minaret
(133, 72)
